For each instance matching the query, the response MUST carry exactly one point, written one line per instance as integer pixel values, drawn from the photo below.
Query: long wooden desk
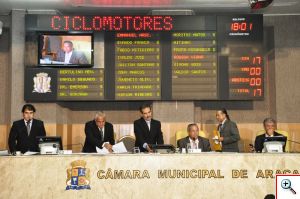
(206, 175)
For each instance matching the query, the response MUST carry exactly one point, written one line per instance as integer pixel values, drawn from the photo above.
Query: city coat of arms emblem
(41, 83)
(78, 176)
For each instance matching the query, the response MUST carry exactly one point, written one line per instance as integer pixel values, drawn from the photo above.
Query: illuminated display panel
(111, 23)
(242, 39)
(194, 65)
(51, 84)
(210, 57)
(137, 66)
(246, 76)
(80, 84)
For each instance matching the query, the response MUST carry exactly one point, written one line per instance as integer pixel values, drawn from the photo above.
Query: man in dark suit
(69, 56)
(147, 130)
(23, 133)
(196, 141)
(269, 126)
(229, 133)
(99, 133)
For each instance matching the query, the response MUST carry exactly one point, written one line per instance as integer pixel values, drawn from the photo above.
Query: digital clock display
(241, 26)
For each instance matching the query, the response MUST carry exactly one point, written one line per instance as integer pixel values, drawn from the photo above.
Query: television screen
(58, 49)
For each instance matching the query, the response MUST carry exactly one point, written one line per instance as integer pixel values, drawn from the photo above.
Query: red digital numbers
(255, 81)
(257, 92)
(256, 60)
(241, 26)
(255, 71)
(250, 77)
(112, 23)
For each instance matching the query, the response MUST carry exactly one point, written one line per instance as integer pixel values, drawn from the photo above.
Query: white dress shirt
(30, 124)
(68, 57)
(102, 135)
(222, 124)
(194, 144)
(148, 122)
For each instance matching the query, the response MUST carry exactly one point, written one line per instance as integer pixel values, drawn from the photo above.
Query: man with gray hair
(99, 133)
(270, 127)
(193, 138)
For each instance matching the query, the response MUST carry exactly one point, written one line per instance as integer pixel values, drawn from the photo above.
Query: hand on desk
(108, 147)
(251, 148)
(149, 149)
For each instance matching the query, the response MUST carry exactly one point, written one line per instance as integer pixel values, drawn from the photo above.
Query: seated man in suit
(23, 133)
(269, 126)
(147, 130)
(196, 141)
(99, 133)
(70, 56)
(229, 133)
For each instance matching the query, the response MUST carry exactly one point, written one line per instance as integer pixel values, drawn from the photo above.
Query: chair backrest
(182, 134)
(129, 142)
(284, 133)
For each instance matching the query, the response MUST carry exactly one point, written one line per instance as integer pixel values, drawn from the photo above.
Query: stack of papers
(117, 148)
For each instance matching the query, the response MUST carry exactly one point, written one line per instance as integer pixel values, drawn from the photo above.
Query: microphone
(297, 142)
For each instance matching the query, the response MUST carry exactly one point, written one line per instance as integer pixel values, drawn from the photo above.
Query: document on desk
(102, 151)
(119, 148)
(30, 153)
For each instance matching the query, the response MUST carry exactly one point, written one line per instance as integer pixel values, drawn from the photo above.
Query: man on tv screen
(69, 55)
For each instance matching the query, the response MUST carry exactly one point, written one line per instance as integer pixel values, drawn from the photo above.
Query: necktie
(102, 135)
(194, 145)
(28, 126)
(220, 127)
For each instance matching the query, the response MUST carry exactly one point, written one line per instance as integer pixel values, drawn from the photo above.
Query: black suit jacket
(93, 136)
(230, 133)
(76, 58)
(203, 144)
(19, 140)
(260, 140)
(143, 135)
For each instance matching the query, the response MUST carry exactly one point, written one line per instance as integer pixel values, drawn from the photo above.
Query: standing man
(70, 56)
(229, 133)
(196, 141)
(147, 130)
(99, 133)
(23, 133)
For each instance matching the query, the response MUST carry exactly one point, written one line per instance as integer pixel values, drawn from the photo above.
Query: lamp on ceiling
(259, 4)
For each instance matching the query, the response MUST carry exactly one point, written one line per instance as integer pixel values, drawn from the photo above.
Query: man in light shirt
(147, 130)
(193, 138)
(70, 56)
(99, 133)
